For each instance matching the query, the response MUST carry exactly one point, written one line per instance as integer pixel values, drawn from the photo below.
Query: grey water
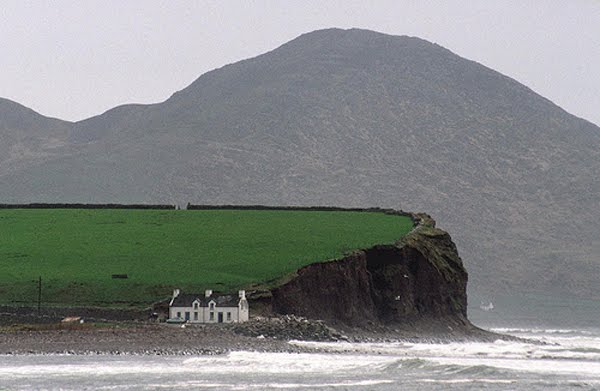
(568, 359)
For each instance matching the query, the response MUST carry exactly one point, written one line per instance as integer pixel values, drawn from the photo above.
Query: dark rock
(287, 327)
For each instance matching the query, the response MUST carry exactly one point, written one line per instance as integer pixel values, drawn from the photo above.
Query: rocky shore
(260, 334)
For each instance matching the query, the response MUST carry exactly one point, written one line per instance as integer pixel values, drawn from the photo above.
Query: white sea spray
(553, 358)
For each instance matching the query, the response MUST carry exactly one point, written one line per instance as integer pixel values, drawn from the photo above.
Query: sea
(551, 358)
(566, 360)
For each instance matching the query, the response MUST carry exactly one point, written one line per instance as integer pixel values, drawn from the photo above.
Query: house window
(229, 316)
(196, 315)
(179, 314)
(195, 306)
(211, 316)
(187, 315)
(212, 306)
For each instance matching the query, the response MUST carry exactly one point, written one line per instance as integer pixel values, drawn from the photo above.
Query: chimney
(176, 293)
(242, 294)
(208, 293)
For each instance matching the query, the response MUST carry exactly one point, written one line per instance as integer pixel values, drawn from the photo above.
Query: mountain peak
(351, 39)
(356, 35)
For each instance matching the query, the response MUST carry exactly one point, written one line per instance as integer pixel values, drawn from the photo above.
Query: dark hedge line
(415, 219)
(300, 208)
(205, 207)
(85, 206)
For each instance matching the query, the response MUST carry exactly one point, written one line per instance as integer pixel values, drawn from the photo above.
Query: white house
(209, 308)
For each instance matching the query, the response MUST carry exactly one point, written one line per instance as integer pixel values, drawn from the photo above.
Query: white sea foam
(512, 331)
(561, 354)
(239, 362)
(572, 347)
(467, 380)
(280, 386)
(253, 362)
(193, 384)
(553, 367)
(568, 360)
(91, 368)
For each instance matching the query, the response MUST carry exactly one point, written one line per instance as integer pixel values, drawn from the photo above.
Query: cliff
(419, 278)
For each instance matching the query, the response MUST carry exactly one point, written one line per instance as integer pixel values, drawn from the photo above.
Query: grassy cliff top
(77, 251)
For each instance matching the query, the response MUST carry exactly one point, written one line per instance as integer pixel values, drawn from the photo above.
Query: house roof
(187, 299)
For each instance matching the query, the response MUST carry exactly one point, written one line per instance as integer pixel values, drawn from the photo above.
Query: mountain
(348, 118)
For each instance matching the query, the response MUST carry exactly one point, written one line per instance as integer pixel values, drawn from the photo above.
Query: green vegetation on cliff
(76, 252)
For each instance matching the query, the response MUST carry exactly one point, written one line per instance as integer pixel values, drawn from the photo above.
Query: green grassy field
(76, 251)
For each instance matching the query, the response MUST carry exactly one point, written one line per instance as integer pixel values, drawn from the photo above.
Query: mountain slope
(28, 137)
(357, 118)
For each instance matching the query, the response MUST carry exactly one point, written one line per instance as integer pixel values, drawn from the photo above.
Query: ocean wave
(473, 370)
(260, 362)
(468, 380)
(511, 330)
(194, 384)
(584, 350)
(570, 360)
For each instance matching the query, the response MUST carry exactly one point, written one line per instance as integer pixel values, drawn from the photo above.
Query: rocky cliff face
(420, 277)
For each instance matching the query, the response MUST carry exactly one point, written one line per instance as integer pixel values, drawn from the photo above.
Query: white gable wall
(243, 310)
(204, 314)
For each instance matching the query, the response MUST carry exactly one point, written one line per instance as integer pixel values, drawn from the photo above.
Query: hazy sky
(76, 59)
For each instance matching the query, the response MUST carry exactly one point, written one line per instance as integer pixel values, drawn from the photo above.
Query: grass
(76, 251)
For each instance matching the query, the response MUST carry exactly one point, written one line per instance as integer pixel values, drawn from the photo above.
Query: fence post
(39, 296)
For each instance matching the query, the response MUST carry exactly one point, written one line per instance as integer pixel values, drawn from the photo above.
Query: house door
(220, 317)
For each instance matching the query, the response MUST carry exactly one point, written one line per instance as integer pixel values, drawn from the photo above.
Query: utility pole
(40, 296)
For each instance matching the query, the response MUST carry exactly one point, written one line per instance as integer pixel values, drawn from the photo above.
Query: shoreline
(125, 338)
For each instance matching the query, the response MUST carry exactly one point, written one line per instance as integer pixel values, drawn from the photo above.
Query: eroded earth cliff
(419, 278)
